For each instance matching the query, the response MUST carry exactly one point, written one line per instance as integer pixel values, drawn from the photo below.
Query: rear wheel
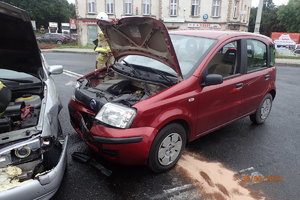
(167, 147)
(263, 110)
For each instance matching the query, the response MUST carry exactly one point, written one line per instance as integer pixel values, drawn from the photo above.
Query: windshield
(190, 51)
(13, 75)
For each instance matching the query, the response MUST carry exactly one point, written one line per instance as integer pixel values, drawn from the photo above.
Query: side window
(225, 62)
(47, 36)
(272, 55)
(256, 55)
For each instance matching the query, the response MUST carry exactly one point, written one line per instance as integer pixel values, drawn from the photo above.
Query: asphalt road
(271, 149)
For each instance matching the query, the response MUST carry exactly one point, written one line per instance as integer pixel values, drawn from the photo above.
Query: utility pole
(258, 16)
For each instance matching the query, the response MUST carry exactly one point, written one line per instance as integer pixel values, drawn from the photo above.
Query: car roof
(220, 35)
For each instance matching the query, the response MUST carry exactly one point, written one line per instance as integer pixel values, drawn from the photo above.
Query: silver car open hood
(140, 36)
(18, 47)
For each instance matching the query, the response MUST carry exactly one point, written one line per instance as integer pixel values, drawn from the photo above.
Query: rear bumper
(42, 187)
(125, 146)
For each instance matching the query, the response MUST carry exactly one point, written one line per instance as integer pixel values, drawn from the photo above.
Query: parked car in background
(32, 146)
(297, 49)
(54, 38)
(166, 90)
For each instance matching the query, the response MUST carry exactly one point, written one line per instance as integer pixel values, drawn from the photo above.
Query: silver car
(32, 146)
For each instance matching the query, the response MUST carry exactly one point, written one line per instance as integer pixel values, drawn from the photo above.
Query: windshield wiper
(17, 80)
(133, 70)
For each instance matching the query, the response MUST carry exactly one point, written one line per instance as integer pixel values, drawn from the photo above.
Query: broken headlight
(116, 115)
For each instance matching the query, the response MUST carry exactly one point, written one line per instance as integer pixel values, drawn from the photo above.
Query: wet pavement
(210, 163)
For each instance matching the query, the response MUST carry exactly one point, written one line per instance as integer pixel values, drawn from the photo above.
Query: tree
(269, 20)
(289, 16)
(44, 11)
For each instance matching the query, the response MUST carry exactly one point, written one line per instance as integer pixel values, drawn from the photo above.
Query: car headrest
(229, 56)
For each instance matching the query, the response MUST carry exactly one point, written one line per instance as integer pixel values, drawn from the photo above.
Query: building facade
(176, 14)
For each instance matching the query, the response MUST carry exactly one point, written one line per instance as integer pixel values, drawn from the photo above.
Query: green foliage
(269, 19)
(44, 11)
(289, 16)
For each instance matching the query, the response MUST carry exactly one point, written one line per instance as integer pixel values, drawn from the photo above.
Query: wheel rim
(265, 108)
(169, 149)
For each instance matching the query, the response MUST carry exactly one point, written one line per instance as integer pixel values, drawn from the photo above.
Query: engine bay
(21, 112)
(99, 89)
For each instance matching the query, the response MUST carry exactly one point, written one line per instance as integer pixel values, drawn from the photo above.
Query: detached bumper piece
(83, 158)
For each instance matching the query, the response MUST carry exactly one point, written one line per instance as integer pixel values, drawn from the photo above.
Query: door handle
(267, 76)
(239, 85)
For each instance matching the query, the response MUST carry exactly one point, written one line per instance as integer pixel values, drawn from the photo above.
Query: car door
(218, 104)
(257, 75)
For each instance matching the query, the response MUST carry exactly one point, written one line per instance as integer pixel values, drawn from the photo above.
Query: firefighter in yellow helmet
(5, 97)
(105, 57)
(104, 53)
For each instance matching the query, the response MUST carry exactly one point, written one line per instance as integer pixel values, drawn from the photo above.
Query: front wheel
(167, 147)
(59, 42)
(263, 110)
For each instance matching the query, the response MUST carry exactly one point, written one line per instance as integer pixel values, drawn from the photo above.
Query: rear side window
(256, 55)
(272, 55)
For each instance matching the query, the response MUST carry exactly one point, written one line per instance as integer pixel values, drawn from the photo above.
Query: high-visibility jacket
(5, 97)
(103, 46)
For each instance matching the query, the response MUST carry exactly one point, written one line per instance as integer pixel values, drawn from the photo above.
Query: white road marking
(247, 169)
(74, 73)
(65, 73)
(70, 83)
(171, 191)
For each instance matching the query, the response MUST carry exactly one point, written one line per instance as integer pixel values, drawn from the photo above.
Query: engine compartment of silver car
(24, 153)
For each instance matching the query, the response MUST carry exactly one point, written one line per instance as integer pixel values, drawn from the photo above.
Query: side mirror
(56, 69)
(212, 79)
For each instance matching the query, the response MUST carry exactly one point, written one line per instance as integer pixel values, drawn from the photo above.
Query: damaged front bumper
(43, 186)
(124, 146)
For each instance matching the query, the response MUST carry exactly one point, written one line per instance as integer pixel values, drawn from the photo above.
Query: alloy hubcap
(265, 109)
(169, 149)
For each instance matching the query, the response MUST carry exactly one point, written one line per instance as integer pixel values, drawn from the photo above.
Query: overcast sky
(254, 2)
(276, 2)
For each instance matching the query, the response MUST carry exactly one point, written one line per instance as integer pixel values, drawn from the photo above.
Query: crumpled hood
(18, 46)
(140, 36)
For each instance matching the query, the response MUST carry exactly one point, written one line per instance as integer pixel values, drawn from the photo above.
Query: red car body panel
(200, 109)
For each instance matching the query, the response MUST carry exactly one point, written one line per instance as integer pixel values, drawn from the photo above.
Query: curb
(66, 51)
(286, 65)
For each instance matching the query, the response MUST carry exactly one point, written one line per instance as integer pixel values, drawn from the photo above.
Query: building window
(128, 7)
(146, 7)
(91, 6)
(195, 8)
(216, 8)
(235, 9)
(110, 7)
(173, 7)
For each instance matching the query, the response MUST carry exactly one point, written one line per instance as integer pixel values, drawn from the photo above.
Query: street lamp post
(258, 16)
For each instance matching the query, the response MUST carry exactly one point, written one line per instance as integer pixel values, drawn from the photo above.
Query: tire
(59, 42)
(170, 150)
(263, 110)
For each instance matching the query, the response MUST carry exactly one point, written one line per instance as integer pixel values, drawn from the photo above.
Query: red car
(165, 90)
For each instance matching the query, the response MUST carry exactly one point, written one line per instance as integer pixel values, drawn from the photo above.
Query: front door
(218, 104)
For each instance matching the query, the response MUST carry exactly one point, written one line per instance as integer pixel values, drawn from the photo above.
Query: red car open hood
(140, 36)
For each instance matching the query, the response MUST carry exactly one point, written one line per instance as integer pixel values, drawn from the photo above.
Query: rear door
(257, 75)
